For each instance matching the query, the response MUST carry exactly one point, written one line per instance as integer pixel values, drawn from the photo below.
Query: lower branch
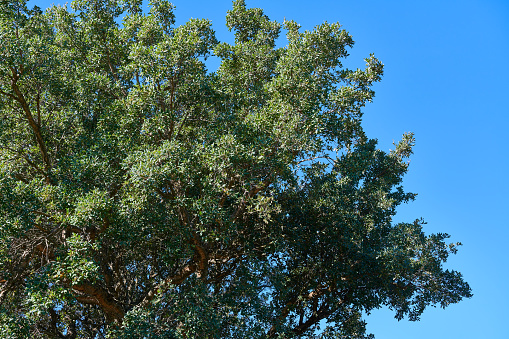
(89, 294)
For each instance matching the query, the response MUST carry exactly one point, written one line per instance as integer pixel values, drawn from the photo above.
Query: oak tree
(144, 196)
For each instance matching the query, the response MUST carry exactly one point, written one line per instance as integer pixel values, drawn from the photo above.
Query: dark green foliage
(142, 196)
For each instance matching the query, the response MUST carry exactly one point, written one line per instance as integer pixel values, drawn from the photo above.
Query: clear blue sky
(446, 79)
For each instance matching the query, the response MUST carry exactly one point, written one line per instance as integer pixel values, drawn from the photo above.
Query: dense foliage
(143, 196)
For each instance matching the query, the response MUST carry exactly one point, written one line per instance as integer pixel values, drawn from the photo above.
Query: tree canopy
(144, 196)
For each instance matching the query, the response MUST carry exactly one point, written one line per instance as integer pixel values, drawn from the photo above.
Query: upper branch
(36, 128)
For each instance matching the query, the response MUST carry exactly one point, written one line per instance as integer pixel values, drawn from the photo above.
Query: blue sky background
(446, 79)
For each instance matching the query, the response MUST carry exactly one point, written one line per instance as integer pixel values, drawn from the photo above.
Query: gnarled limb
(90, 294)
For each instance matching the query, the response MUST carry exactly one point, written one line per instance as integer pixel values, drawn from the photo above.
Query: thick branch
(33, 124)
(203, 262)
(89, 294)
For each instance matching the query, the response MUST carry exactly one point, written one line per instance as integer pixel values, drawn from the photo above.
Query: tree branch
(89, 294)
(311, 296)
(249, 194)
(9, 95)
(174, 280)
(33, 124)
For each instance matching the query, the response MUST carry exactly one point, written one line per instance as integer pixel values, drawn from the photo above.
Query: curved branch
(89, 294)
